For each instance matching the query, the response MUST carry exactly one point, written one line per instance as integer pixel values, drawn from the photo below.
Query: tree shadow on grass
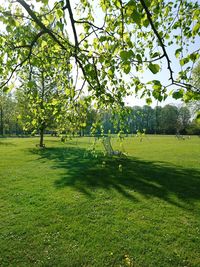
(85, 173)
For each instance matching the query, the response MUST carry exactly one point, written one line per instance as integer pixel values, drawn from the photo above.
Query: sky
(147, 75)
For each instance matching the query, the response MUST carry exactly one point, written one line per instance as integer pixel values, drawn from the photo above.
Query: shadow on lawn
(151, 179)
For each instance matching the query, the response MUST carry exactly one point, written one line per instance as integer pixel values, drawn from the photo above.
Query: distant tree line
(159, 120)
(15, 111)
(9, 112)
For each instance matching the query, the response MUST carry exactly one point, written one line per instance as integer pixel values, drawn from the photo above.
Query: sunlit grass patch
(63, 207)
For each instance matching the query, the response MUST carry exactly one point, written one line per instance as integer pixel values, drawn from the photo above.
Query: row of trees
(9, 123)
(55, 51)
(162, 120)
(159, 120)
(33, 113)
(46, 104)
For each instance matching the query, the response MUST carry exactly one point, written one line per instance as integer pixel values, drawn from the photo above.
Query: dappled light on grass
(136, 178)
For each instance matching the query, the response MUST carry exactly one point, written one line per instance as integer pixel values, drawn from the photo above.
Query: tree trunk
(42, 137)
(1, 122)
(42, 127)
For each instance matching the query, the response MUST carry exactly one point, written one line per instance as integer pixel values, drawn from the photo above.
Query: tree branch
(72, 23)
(39, 23)
(159, 38)
(27, 58)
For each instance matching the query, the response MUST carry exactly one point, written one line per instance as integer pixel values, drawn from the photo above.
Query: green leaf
(31, 84)
(149, 101)
(196, 14)
(43, 44)
(156, 54)
(156, 85)
(126, 55)
(177, 52)
(132, 12)
(110, 72)
(136, 17)
(157, 95)
(8, 28)
(154, 68)
(34, 122)
(6, 89)
(139, 58)
(183, 61)
(178, 94)
(59, 13)
(145, 23)
(67, 92)
(54, 102)
(60, 25)
(193, 57)
(118, 4)
(104, 5)
(127, 68)
(196, 28)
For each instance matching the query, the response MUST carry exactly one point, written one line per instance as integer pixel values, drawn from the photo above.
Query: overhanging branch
(184, 85)
(24, 60)
(159, 38)
(39, 23)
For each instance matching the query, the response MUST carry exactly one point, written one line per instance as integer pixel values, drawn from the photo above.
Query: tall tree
(44, 84)
(169, 119)
(183, 119)
(1, 112)
(158, 119)
(39, 99)
(8, 115)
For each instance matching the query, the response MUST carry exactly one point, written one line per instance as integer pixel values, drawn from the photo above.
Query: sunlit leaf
(154, 68)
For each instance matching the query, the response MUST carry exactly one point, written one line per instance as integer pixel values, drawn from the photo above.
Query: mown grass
(62, 207)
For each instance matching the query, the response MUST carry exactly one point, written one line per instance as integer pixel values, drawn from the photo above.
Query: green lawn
(62, 207)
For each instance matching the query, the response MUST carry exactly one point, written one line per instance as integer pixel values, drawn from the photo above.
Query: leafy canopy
(103, 43)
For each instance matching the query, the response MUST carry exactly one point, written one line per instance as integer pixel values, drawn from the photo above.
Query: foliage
(39, 101)
(76, 117)
(169, 118)
(196, 75)
(194, 127)
(162, 120)
(9, 111)
(184, 117)
(133, 36)
(44, 85)
(79, 118)
(195, 105)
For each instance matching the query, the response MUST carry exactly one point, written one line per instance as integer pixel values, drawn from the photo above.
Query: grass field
(62, 207)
